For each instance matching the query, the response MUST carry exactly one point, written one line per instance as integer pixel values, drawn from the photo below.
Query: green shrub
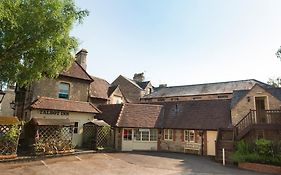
(261, 153)
(264, 147)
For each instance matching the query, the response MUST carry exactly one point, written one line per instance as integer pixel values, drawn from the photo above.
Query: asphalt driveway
(123, 163)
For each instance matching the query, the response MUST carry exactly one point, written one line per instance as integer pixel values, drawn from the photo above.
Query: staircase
(225, 139)
(266, 119)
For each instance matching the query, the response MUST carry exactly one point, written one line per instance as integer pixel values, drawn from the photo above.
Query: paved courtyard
(122, 164)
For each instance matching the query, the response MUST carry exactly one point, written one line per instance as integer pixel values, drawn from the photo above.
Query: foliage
(35, 39)
(274, 82)
(278, 53)
(12, 134)
(260, 152)
(264, 147)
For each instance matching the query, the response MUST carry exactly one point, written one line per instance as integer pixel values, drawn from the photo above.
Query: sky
(181, 42)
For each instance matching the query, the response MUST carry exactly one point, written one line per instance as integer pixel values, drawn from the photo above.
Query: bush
(260, 152)
(264, 147)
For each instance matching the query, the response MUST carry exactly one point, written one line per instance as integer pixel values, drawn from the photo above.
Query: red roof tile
(99, 88)
(76, 71)
(131, 115)
(199, 114)
(64, 105)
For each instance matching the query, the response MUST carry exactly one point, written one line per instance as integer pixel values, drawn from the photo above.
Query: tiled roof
(204, 89)
(8, 120)
(76, 71)
(64, 105)
(99, 88)
(238, 95)
(143, 84)
(50, 122)
(198, 114)
(131, 81)
(131, 115)
(111, 89)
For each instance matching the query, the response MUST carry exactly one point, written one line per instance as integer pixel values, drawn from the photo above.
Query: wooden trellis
(50, 136)
(97, 135)
(53, 139)
(103, 136)
(9, 136)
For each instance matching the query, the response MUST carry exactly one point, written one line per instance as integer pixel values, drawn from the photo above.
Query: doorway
(260, 108)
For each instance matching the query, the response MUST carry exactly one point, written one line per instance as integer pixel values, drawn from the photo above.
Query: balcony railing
(259, 117)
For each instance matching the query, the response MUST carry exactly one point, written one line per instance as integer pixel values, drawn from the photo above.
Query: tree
(274, 82)
(278, 53)
(35, 39)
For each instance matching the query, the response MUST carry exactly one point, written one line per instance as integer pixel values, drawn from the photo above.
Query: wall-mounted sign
(53, 112)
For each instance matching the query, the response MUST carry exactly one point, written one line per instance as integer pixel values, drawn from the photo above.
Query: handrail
(262, 117)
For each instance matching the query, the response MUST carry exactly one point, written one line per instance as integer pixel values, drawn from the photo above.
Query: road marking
(78, 158)
(44, 163)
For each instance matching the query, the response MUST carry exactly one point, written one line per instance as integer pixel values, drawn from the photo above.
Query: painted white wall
(79, 117)
(137, 145)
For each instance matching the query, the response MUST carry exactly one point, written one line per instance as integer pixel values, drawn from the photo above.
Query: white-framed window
(189, 135)
(127, 134)
(168, 134)
(145, 134)
(64, 90)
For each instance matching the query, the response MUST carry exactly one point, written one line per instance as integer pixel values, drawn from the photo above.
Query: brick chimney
(138, 77)
(81, 58)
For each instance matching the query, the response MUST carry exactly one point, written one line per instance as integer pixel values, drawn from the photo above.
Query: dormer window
(64, 90)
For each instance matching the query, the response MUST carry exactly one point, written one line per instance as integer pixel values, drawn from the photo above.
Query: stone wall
(243, 107)
(188, 98)
(178, 143)
(5, 108)
(50, 88)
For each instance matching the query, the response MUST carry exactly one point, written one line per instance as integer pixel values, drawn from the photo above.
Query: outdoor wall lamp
(2, 94)
(248, 98)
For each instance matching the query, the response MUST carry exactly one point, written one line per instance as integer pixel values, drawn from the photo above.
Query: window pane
(130, 134)
(170, 134)
(64, 90)
(166, 134)
(137, 134)
(153, 135)
(145, 135)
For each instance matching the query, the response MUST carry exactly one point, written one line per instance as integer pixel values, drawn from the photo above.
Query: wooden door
(260, 107)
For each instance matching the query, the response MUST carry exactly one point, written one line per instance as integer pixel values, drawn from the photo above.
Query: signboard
(53, 112)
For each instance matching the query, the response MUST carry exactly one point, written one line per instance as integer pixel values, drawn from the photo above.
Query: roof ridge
(84, 70)
(132, 81)
(216, 83)
(119, 116)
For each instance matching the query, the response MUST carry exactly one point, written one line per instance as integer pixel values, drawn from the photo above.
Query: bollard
(223, 157)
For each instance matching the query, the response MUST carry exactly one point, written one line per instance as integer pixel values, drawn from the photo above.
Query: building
(133, 90)
(65, 97)
(101, 92)
(207, 91)
(6, 107)
(198, 119)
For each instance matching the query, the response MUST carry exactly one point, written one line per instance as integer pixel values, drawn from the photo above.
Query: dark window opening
(64, 90)
(75, 128)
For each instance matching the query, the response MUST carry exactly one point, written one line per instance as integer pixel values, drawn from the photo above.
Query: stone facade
(116, 97)
(131, 91)
(5, 108)
(243, 107)
(188, 98)
(178, 142)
